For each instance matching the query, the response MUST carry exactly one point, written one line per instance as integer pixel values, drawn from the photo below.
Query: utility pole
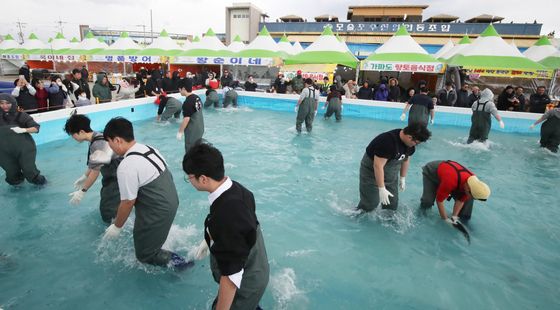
(151, 28)
(20, 33)
(60, 22)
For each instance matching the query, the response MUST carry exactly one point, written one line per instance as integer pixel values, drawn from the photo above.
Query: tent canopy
(540, 50)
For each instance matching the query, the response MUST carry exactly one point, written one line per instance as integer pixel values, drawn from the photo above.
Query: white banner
(402, 66)
(129, 58)
(245, 61)
(13, 57)
(51, 57)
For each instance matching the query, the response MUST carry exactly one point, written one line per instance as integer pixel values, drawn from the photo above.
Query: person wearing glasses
(232, 232)
(446, 179)
(387, 156)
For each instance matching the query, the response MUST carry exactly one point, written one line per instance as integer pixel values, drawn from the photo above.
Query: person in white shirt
(307, 106)
(146, 184)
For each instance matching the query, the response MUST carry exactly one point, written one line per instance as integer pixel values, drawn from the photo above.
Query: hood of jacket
(486, 95)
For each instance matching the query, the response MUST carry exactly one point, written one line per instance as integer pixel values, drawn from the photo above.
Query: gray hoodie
(486, 96)
(551, 113)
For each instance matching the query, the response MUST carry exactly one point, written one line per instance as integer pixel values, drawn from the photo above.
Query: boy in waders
(307, 106)
(481, 120)
(421, 109)
(232, 232)
(550, 129)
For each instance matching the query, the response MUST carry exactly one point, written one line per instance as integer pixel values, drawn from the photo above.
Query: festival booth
(157, 53)
(490, 62)
(401, 57)
(236, 45)
(208, 53)
(117, 58)
(60, 54)
(553, 62)
(444, 49)
(285, 46)
(30, 51)
(463, 43)
(323, 57)
(261, 58)
(6, 46)
(540, 50)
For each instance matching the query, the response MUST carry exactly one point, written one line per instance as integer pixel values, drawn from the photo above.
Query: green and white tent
(263, 50)
(237, 45)
(552, 61)
(102, 42)
(403, 54)
(8, 44)
(31, 46)
(540, 50)
(123, 50)
(297, 48)
(206, 51)
(444, 49)
(89, 45)
(285, 46)
(74, 42)
(162, 46)
(464, 42)
(325, 50)
(490, 55)
(60, 44)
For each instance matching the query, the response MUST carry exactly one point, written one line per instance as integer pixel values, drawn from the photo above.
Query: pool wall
(52, 123)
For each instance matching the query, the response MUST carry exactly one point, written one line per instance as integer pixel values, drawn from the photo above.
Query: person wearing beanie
(168, 107)
(192, 126)
(17, 147)
(385, 164)
(446, 179)
(481, 120)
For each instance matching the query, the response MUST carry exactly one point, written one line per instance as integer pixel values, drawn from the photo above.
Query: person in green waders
(192, 126)
(306, 107)
(230, 97)
(146, 184)
(212, 98)
(387, 156)
(481, 120)
(232, 232)
(100, 160)
(550, 129)
(17, 147)
(421, 109)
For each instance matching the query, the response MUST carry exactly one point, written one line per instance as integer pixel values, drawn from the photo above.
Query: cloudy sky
(195, 16)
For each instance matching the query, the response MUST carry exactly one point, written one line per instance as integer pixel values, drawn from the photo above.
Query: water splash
(120, 251)
(400, 221)
(475, 146)
(299, 253)
(284, 288)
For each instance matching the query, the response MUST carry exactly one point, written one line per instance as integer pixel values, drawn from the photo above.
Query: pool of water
(322, 255)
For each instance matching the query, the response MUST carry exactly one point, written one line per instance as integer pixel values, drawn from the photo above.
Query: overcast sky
(195, 16)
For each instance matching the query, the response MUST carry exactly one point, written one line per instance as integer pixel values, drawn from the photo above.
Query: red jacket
(447, 173)
(42, 96)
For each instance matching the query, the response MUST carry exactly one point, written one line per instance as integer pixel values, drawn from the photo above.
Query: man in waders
(334, 104)
(212, 98)
(232, 232)
(230, 97)
(307, 106)
(446, 179)
(169, 108)
(192, 125)
(421, 109)
(146, 184)
(386, 156)
(481, 121)
(17, 147)
(100, 159)
(550, 129)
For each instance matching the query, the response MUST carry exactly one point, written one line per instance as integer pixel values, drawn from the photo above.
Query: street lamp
(144, 30)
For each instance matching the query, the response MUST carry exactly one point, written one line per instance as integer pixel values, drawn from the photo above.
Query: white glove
(452, 220)
(18, 130)
(402, 184)
(112, 232)
(179, 136)
(77, 197)
(502, 125)
(315, 113)
(403, 117)
(532, 127)
(80, 182)
(384, 195)
(432, 121)
(101, 157)
(296, 108)
(202, 250)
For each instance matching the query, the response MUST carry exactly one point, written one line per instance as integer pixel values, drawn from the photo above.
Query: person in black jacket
(474, 96)
(506, 99)
(232, 232)
(394, 90)
(152, 86)
(365, 92)
(82, 86)
(250, 84)
(463, 97)
(226, 79)
(85, 74)
(167, 84)
(538, 101)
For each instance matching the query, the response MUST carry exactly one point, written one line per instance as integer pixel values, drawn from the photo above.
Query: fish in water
(459, 226)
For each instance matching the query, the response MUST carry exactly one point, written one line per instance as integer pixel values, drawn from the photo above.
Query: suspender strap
(145, 155)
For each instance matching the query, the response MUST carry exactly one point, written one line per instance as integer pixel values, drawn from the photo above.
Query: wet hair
(187, 84)
(308, 81)
(418, 131)
(119, 127)
(204, 159)
(76, 123)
